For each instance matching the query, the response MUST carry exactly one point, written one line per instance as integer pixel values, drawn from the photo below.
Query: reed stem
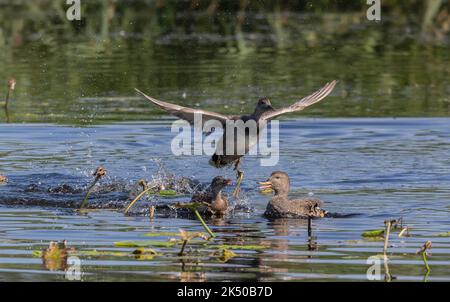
(98, 174)
(425, 261)
(199, 217)
(182, 248)
(136, 199)
(387, 234)
(89, 191)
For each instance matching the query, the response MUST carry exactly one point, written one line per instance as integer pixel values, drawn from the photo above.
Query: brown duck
(215, 202)
(280, 206)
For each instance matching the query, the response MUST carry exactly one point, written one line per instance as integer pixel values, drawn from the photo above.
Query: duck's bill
(265, 186)
(228, 182)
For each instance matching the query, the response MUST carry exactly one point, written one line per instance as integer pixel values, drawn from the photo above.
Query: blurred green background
(222, 55)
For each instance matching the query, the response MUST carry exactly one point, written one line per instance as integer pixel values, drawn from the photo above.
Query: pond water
(377, 148)
(375, 169)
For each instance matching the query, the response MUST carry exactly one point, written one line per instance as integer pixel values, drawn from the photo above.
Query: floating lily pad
(142, 250)
(167, 193)
(37, 254)
(162, 234)
(447, 234)
(191, 205)
(225, 255)
(239, 247)
(373, 233)
(95, 253)
(144, 243)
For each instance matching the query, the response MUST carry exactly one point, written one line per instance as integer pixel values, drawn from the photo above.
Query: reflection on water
(71, 77)
(376, 168)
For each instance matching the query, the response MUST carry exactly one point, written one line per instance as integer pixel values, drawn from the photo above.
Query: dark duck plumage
(216, 203)
(263, 112)
(280, 206)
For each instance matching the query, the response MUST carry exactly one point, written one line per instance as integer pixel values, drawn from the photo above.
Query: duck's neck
(282, 193)
(257, 113)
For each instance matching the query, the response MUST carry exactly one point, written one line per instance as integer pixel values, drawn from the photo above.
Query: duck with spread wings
(263, 112)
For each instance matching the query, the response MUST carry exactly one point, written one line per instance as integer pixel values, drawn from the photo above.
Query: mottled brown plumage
(280, 206)
(216, 202)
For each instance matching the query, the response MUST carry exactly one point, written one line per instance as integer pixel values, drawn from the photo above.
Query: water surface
(376, 168)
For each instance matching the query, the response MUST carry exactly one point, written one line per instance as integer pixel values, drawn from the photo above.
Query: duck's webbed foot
(240, 176)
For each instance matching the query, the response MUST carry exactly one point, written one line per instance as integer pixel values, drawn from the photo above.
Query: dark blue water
(376, 168)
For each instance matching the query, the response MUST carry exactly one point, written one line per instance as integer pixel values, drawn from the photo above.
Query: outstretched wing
(186, 113)
(303, 103)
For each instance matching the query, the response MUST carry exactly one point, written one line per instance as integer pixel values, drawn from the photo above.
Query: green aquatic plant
(144, 254)
(446, 234)
(194, 206)
(225, 255)
(145, 243)
(150, 190)
(98, 174)
(161, 234)
(167, 193)
(95, 253)
(373, 234)
(240, 247)
(136, 199)
(186, 237)
(423, 251)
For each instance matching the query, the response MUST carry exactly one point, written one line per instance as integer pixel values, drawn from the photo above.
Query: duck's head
(278, 182)
(218, 183)
(263, 105)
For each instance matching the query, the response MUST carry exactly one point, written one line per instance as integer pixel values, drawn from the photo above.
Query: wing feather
(186, 113)
(302, 103)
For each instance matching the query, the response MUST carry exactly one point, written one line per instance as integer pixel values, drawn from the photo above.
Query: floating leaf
(447, 234)
(373, 233)
(167, 193)
(144, 243)
(239, 247)
(95, 253)
(37, 254)
(191, 205)
(225, 255)
(162, 234)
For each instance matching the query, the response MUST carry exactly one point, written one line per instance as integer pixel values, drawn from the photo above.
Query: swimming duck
(263, 112)
(216, 204)
(280, 206)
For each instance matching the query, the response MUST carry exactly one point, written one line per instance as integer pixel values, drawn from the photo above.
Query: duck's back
(295, 208)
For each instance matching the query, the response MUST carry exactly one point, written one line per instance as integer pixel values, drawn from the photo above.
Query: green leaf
(239, 247)
(373, 233)
(37, 254)
(447, 234)
(167, 193)
(144, 243)
(162, 234)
